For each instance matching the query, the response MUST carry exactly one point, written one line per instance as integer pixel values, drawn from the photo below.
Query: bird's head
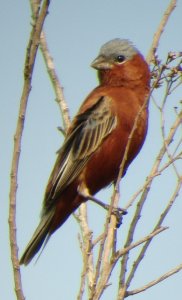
(120, 63)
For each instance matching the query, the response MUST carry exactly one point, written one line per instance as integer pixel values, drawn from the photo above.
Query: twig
(159, 223)
(28, 71)
(49, 62)
(160, 30)
(103, 283)
(104, 265)
(97, 240)
(55, 81)
(139, 242)
(161, 109)
(143, 198)
(122, 290)
(176, 86)
(134, 222)
(154, 282)
(167, 148)
(149, 179)
(88, 266)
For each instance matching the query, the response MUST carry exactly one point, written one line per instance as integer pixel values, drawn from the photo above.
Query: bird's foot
(118, 212)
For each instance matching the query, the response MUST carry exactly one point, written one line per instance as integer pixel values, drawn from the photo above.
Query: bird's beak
(101, 63)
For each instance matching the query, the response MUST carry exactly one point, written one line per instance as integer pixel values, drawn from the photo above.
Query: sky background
(75, 31)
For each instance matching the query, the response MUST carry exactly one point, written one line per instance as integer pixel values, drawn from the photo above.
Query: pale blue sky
(75, 31)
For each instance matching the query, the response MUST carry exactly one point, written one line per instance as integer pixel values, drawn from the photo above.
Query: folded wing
(89, 129)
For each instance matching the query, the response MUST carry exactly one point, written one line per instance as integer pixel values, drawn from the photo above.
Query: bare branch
(49, 62)
(159, 223)
(28, 71)
(154, 282)
(139, 242)
(160, 30)
(88, 265)
(141, 203)
(149, 179)
(55, 81)
(108, 267)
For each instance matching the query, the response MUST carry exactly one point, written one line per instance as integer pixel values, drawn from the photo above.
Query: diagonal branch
(160, 30)
(159, 223)
(149, 237)
(49, 62)
(55, 81)
(142, 201)
(154, 282)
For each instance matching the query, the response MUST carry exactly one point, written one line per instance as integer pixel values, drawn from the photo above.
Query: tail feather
(40, 235)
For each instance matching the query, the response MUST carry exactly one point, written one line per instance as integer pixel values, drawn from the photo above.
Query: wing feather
(89, 130)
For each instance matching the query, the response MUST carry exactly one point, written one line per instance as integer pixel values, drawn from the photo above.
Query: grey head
(114, 52)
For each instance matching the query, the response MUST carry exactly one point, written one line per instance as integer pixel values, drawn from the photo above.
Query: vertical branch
(28, 71)
(104, 264)
(160, 30)
(87, 253)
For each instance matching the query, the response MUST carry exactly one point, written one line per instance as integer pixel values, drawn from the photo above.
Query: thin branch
(55, 81)
(122, 290)
(104, 265)
(159, 223)
(97, 240)
(143, 199)
(154, 282)
(121, 168)
(150, 178)
(28, 71)
(139, 242)
(130, 236)
(161, 109)
(88, 265)
(160, 30)
(103, 283)
(135, 220)
(49, 62)
(176, 86)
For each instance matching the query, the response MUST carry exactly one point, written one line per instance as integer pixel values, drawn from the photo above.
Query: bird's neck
(134, 75)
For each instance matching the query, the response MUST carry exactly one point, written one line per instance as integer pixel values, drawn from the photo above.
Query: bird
(95, 143)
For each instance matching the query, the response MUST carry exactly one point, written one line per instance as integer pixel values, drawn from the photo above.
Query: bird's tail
(40, 235)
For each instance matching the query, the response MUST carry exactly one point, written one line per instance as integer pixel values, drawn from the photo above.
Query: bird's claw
(119, 213)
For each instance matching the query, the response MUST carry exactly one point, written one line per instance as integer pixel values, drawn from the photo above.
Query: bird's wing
(89, 130)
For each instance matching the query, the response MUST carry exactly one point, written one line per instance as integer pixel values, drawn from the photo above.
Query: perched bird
(94, 146)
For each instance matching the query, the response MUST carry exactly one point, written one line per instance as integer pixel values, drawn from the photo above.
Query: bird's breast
(103, 167)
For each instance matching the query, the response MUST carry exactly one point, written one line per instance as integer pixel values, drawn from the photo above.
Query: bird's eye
(120, 59)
